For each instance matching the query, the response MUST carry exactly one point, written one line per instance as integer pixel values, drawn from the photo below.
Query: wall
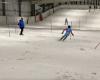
(31, 20)
(3, 20)
(12, 12)
(75, 6)
(11, 8)
(0, 8)
(11, 20)
(26, 8)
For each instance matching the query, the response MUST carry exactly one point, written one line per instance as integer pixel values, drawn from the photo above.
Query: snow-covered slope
(38, 55)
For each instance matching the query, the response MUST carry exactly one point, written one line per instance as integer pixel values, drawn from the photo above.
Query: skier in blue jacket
(21, 25)
(67, 31)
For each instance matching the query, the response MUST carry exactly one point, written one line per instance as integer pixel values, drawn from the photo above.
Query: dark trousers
(63, 37)
(21, 32)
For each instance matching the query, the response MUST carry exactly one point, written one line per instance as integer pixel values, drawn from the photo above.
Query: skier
(66, 21)
(40, 17)
(67, 31)
(21, 25)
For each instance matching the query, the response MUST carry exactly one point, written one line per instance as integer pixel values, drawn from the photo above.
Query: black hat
(69, 26)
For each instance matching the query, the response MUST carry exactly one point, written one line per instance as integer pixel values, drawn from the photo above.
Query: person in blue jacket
(21, 24)
(67, 31)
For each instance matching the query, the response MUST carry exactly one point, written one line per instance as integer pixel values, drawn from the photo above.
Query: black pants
(21, 32)
(63, 37)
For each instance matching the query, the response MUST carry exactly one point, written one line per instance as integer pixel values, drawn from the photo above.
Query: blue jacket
(68, 31)
(21, 24)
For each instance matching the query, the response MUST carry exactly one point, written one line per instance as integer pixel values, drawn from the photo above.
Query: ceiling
(48, 1)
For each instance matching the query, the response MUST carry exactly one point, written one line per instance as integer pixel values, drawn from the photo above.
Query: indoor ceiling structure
(61, 1)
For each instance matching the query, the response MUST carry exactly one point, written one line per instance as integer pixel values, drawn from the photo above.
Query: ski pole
(97, 46)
